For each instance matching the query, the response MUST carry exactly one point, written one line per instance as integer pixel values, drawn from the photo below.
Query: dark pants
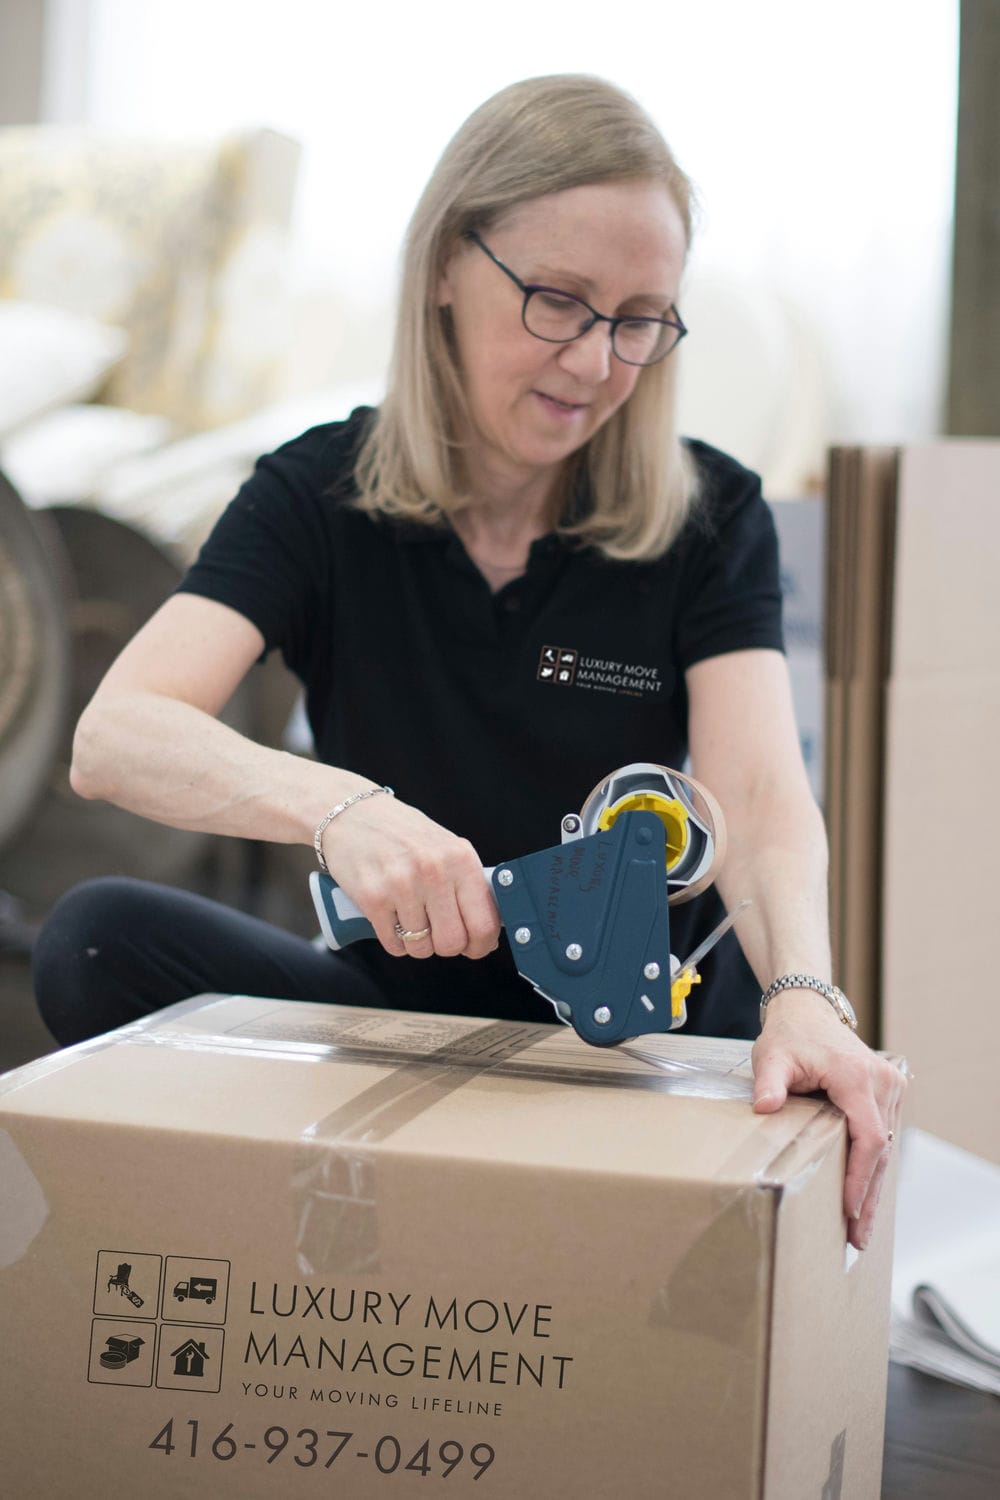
(114, 950)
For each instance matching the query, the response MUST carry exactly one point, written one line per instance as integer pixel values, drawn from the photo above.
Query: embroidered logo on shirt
(565, 667)
(557, 664)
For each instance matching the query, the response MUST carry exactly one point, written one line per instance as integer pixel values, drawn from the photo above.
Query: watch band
(830, 992)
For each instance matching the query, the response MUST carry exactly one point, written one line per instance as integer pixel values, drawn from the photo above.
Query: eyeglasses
(559, 318)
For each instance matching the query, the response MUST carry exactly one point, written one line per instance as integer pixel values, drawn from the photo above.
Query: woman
(520, 492)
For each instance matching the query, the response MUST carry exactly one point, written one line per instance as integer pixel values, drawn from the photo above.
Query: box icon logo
(557, 664)
(121, 1353)
(189, 1295)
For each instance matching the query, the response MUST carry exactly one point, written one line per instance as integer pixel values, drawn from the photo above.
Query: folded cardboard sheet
(251, 1246)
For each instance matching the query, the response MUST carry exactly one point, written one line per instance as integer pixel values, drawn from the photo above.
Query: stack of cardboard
(859, 531)
(913, 721)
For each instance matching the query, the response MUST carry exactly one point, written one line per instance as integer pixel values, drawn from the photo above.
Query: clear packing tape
(333, 1182)
(468, 1047)
(335, 1188)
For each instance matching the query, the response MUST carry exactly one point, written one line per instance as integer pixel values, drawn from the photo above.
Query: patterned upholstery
(182, 245)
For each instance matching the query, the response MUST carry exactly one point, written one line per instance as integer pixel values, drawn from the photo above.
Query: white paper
(946, 1274)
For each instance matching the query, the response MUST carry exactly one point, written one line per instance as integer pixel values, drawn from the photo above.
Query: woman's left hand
(803, 1047)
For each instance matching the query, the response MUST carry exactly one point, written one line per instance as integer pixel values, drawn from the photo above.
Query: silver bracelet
(335, 812)
(830, 992)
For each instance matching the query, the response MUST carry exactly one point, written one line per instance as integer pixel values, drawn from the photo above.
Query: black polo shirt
(495, 713)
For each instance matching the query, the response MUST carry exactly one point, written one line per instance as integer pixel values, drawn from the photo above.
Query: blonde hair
(539, 136)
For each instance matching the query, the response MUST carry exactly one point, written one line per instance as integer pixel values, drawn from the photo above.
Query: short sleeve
(730, 589)
(268, 554)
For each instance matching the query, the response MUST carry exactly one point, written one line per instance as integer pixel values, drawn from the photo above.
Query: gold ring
(407, 935)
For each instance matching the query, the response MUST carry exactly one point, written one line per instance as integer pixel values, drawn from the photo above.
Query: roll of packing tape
(644, 783)
(711, 814)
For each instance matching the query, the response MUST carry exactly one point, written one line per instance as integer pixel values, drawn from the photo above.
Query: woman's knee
(81, 953)
(84, 919)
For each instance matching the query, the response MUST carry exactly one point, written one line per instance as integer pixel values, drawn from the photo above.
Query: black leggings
(114, 950)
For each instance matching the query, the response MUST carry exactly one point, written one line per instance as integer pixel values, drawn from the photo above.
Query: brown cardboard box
(252, 1248)
(939, 960)
(942, 814)
(913, 719)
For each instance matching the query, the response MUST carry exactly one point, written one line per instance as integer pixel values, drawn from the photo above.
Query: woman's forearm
(777, 858)
(171, 762)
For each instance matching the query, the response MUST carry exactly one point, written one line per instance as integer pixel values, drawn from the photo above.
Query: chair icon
(120, 1280)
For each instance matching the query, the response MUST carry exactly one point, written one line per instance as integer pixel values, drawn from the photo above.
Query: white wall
(821, 137)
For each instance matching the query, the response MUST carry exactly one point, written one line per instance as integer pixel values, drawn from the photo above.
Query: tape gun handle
(341, 921)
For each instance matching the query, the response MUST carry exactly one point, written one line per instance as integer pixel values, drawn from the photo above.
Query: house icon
(189, 1359)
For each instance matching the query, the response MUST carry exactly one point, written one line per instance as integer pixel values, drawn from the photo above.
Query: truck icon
(198, 1288)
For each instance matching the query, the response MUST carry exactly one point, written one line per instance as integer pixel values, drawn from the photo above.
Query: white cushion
(177, 492)
(181, 242)
(49, 357)
(68, 453)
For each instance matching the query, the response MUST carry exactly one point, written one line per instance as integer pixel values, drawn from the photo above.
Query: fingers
(479, 913)
(873, 1114)
(415, 933)
(411, 876)
(772, 1079)
(457, 906)
(778, 1068)
(801, 1053)
(769, 1097)
(867, 1161)
(869, 1136)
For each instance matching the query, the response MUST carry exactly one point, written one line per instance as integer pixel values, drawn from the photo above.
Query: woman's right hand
(398, 865)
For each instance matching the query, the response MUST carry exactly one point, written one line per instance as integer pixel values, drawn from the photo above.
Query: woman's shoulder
(721, 476)
(728, 512)
(725, 493)
(297, 493)
(325, 454)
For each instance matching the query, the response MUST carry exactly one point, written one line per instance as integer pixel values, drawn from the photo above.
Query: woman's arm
(149, 741)
(744, 747)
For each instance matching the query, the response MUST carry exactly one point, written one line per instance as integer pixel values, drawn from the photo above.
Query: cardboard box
(912, 704)
(942, 815)
(252, 1247)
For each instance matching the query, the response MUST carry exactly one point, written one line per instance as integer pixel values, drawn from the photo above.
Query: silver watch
(830, 992)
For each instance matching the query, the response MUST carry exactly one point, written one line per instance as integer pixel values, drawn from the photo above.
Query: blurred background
(201, 207)
(822, 142)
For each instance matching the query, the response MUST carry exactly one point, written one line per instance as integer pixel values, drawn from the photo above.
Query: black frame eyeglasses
(550, 307)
